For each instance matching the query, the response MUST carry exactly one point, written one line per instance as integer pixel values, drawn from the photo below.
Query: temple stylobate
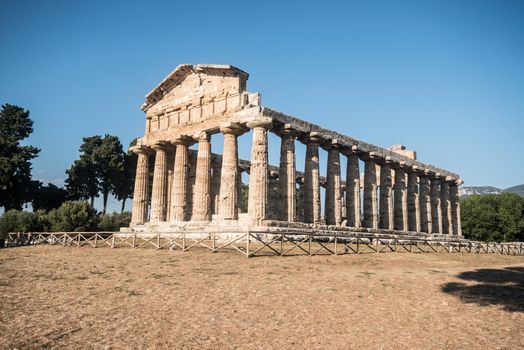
(383, 191)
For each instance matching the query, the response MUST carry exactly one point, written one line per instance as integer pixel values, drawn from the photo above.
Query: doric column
(170, 165)
(215, 185)
(159, 190)
(333, 199)
(141, 191)
(286, 175)
(239, 190)
(258, 177)
(353, 191)
(386, 196)
(425, 205)
(180, 179)
(311, 180)
(370, 192)
(229, 172)
(400, 202)
(300, 199)
(272, 195)
(445, 200)
(413, 202)
(436, 209)
(455, 207)
(202, 193)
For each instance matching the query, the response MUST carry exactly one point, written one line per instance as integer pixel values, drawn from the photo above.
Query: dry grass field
(84, 298)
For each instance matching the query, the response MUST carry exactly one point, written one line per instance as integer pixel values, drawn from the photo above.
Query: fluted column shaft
(400, 203)
(141, 190)
(312, 184)
(413, 203)
(446, 208)
(258, 179)
(159, 190)
(353, 191)
(436, 211)
(229, 174)
(333, 199)
(180, 181)
(202, 194)
(287, 177)
(370, 195)
(386, 198)
(455, 210)
(426, 224)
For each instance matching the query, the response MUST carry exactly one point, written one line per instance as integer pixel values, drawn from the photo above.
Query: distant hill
(519, 189)
(467, 191)
(480, 190)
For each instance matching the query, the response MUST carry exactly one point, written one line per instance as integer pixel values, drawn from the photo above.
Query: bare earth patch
(64, 297)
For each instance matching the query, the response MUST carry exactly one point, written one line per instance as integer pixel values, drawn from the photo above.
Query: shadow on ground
(504, 287)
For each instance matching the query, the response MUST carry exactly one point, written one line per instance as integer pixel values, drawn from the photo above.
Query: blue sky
(445, 78)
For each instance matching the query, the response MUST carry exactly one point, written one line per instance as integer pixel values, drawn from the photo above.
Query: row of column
(409, 200)
(230, 184)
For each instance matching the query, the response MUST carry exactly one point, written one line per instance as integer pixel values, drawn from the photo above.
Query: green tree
(100, 169)
(48, 197)
(15, 160)
(76, 216)
(113, 222)
(20, 221)
(493, 217)
(125, 185)
(109, 160)
(82, 178)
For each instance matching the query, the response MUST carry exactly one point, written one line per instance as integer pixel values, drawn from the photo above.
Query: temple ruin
(383, 192)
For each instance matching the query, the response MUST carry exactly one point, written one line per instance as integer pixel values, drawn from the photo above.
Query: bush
(113, 222)
(493, 217)
(76, 216)
(19, 221)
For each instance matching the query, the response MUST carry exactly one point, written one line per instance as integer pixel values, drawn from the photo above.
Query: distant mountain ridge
(480, 190)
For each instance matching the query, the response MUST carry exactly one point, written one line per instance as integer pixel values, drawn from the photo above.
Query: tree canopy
(103, 167)
(15, 160)
(493, 217)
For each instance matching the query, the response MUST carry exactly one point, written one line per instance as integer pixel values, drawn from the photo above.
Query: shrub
(76, 216)
(19, 221)
(113, 222)
(493, 217)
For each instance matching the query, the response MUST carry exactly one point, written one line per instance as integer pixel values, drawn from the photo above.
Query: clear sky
(445, 78)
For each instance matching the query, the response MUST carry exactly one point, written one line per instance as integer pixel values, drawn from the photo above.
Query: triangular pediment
(188, 82)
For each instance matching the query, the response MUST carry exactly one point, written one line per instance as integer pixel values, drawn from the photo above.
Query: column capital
(201, 136)
(450, 179)
(459, 182)
(141, 149)
(331, 144)
(350, 150)
(310, 137)
(161, 145)
(183, 140)
(232, 129)
(384, 161)
(266, 123)
(370, 156)
(287, 131)
(413, 170)
(399, 165)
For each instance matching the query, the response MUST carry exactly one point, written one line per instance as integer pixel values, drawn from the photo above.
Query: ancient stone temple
(384, 191)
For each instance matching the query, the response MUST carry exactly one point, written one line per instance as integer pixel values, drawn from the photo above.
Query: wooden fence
(261, 243)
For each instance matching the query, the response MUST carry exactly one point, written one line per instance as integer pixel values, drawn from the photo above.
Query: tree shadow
(504, 287)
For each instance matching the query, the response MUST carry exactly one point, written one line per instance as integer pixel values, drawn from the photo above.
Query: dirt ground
(85, 298)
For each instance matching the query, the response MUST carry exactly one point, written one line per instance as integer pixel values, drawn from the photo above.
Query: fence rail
(261, 243)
